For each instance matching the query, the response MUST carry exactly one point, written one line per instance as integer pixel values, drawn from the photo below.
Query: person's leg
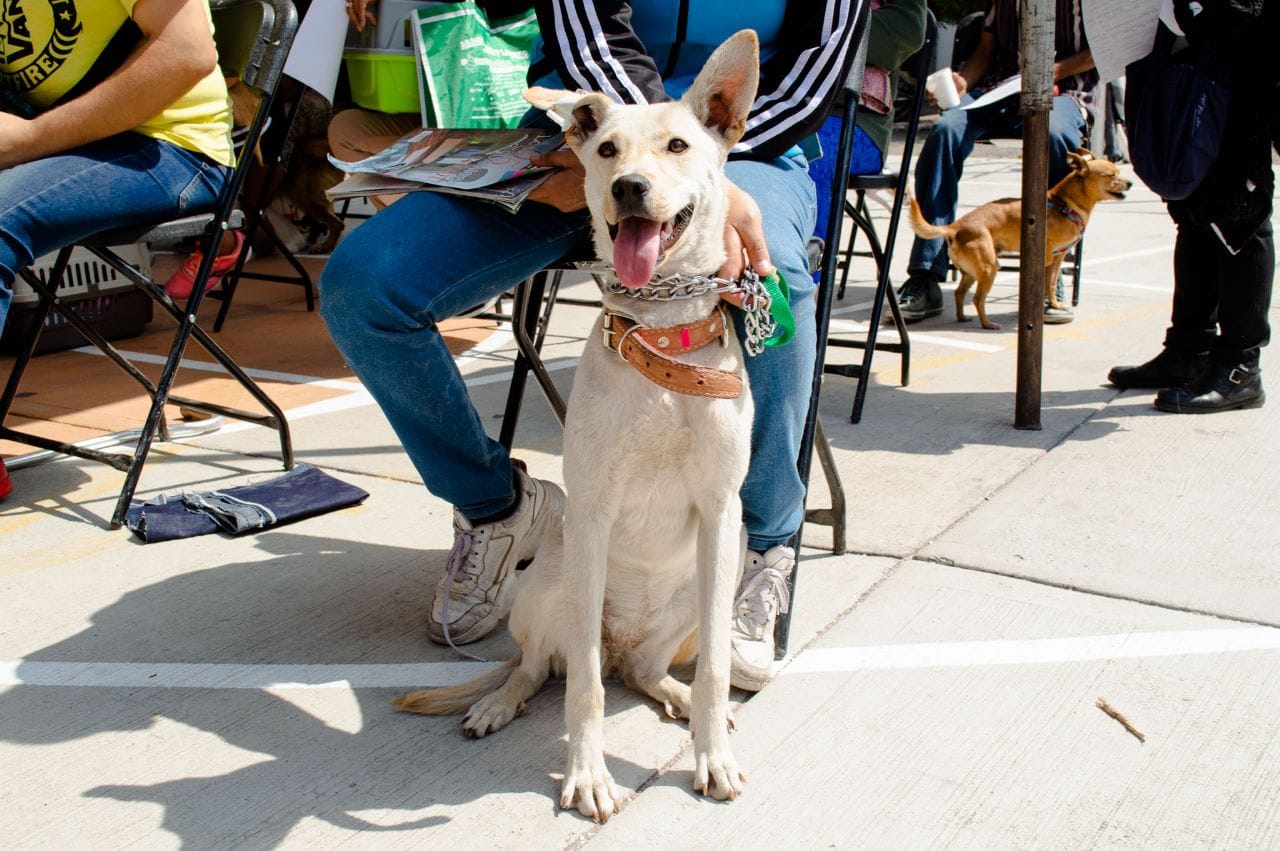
(124, 180)
(355, 134)
(1067, 128)
(1242, 282)
(383, 293)
(1067, 131)
(1193, 326)
(938, 171)
(780, 379)
(937, 189)
(1193, 323)
(1244, 299)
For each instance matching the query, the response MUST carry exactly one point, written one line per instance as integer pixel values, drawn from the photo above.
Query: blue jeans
(116, 182)
(941, 162)
(430, 256)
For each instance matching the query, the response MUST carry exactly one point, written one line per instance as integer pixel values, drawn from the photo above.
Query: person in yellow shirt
(114, 113)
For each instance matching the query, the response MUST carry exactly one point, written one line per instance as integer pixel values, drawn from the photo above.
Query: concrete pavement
(941, 692)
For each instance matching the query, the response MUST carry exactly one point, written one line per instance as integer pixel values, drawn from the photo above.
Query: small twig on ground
(1124, 722)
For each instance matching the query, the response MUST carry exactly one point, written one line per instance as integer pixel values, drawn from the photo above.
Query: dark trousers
(1220, 299)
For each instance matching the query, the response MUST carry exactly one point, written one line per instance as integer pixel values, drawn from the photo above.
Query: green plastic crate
(383, 80)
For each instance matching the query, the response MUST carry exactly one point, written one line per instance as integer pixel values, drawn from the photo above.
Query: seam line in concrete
(1094, 592)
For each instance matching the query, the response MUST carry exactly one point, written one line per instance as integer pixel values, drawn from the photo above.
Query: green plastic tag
(780, 308)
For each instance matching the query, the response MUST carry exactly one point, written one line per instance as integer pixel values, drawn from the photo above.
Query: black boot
(920, 297)
(1219, 388)
(1170, 368)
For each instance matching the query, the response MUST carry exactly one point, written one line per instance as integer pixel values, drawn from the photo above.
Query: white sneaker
(476, 588)
(762, 596)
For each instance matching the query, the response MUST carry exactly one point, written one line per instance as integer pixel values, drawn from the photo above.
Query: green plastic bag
(471, 72)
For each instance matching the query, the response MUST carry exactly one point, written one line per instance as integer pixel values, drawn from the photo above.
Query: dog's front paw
(490, 714)
(716, 773)
(589, 787)
(990, 326)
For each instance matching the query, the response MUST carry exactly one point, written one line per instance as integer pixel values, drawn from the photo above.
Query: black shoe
(1170, 368)
(920, 297)
(1219, 388)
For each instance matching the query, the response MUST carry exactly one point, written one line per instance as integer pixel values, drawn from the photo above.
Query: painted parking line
(967, 654)
(917, 337)
(221, 676)
(344, 384)
(1125, 285)
(826, 660)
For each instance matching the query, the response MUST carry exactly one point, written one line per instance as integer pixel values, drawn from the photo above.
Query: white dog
(653, 543)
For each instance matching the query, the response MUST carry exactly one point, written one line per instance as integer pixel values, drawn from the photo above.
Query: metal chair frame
(918, 65)
(253, 39)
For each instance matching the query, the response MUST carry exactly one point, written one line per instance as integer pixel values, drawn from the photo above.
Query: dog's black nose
(630, 188)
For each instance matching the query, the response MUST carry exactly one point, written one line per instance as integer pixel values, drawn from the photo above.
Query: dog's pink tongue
(635, 250)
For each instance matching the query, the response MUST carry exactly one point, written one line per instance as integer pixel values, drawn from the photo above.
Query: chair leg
(526, 314)
(835, 515)
(48, 304)
(847, 262)
(302, 277)
(1075, 274)
(184, 316)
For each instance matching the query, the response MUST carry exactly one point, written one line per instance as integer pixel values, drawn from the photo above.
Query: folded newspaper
(492, 165)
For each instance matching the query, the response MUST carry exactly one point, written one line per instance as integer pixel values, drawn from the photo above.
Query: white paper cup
(942, 86)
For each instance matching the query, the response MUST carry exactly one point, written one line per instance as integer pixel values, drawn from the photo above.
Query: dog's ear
(1078, 161)
(722, 94)
(577, 113)
(547, 99)
(586, 116)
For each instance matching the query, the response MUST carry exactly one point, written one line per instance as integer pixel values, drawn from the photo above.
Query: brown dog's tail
(455, 700)
(921, 226)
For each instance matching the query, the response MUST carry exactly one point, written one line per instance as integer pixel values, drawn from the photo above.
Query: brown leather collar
(647, 350)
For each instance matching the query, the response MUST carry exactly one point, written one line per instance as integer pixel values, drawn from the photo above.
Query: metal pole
(1036, 55)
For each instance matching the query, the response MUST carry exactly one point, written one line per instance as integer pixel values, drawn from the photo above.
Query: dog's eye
(606, 150)
(677, 146)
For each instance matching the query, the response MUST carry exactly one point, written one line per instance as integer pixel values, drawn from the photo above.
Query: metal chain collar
(756, 319)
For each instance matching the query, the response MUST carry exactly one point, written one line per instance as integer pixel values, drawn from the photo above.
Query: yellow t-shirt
(47, 46)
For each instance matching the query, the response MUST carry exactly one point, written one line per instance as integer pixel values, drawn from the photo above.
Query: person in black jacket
(1224, 256)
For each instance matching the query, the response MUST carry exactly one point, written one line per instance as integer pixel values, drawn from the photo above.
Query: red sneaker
(6, 486)
(181, 283)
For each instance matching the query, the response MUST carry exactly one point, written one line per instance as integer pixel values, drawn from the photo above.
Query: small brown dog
(977, 238)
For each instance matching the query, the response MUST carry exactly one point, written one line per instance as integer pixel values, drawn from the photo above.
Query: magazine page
(510, 194)
(458, 159)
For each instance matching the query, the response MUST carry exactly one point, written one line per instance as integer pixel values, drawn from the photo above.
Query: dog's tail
(455, 700)
(921, 226)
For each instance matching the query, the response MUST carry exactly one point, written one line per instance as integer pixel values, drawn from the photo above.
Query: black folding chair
(254, 201)
(918, 66)
(253, 39)
(813, 437)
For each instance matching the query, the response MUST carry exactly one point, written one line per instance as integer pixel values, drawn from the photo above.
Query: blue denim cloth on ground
(941, 161)
(430, 256)
(302, 492)
(123, 180)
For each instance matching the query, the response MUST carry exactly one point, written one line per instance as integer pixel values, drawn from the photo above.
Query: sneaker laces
(764, 594)
(463, 553)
